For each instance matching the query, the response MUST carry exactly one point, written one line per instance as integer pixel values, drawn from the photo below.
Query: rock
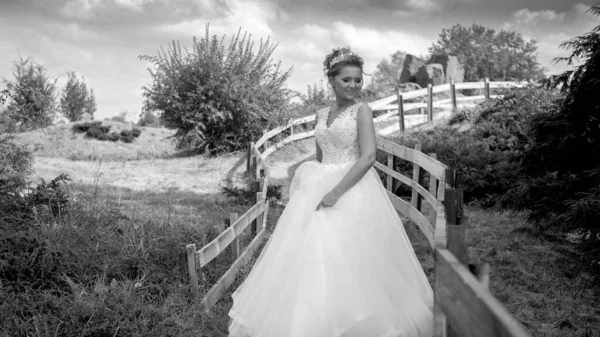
(430, 73)
(412, 64)
(453, 70)
(410, 86)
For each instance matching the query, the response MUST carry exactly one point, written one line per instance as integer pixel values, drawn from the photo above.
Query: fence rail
(463, 305)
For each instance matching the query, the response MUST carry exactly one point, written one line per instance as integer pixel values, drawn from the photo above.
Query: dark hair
(352, 60)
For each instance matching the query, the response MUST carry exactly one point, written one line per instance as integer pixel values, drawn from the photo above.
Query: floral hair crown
(341, 57)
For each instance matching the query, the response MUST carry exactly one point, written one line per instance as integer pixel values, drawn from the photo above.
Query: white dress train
(344, 271)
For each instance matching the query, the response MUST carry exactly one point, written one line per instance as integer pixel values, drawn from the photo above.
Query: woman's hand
(329, 199)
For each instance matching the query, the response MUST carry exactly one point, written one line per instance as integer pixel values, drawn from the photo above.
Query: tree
(33, 100)
(149, 118)
(483, 52)
(218, 98)
(76, 100)
(387, 75)
(90, 104)
(562, 160)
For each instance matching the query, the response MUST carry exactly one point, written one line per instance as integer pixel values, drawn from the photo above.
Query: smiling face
(347, 83)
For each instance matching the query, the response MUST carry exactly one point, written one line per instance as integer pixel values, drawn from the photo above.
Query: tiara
(341, 57)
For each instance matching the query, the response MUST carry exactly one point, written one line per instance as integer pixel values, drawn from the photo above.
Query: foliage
(484, 52)
(33, 100)
(149, 118)
(102, 132)
(387, 75)
(76, 100)
(487, 156)
(247, 194)
(218, 98)
(562, 162)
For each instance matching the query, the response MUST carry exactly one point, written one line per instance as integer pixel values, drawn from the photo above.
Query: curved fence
(463, 305)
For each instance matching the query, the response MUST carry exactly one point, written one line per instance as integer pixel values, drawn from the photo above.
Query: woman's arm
(368, 150)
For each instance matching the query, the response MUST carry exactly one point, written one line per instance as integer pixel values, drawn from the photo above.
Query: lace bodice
(339, 142)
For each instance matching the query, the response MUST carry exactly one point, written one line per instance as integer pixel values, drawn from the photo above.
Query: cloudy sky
(102, 39)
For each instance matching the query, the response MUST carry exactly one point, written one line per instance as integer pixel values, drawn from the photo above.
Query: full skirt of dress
(344, 271)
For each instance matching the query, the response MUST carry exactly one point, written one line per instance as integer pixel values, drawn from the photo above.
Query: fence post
(453, 95)
(414, 201)
(429, 102)
(254, 167)
(249, 157)
(456, 226)
(433, 184)
(235, 245)
(258, 186)
(390, 165)
(292, 134)
(486, 85)
(191, 263)
(400, 110)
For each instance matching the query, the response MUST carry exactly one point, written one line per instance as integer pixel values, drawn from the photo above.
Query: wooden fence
(256, 219)
(463, 305)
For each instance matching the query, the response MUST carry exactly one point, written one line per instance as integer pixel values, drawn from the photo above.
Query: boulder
(453, 70)
(430, 73)
(412, 64)
(410, 86)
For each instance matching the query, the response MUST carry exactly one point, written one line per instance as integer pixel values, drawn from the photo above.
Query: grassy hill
(60, 141)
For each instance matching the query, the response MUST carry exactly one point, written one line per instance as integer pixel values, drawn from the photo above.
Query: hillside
(60, 141)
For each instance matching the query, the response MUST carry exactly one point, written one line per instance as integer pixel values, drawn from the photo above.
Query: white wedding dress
(348, 270)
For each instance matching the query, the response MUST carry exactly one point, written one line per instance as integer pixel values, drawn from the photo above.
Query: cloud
(311, 43)
(551, 28)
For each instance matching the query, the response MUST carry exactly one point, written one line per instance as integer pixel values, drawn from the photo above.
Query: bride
(339, 262)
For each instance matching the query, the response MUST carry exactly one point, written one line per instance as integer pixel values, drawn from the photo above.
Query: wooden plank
(219, 288)
(390, 166)
(429, 164)
(216, 246)
(429, 102)
(235, 245)
(440, 88)
(453, 95)
(470, 308)
(440, 216)
(414, 215)
(469, 85)
(504, 84)
(432, 190)
(249, 156)
(414, 200)
(287, 140)
(407, 181)
(191, 264)
(394, 107)
(401, 112)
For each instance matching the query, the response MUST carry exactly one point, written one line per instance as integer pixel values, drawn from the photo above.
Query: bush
(224, 95)
(488, 155)
(136, 132)
(113, 137)
(127, 139)
(84, 127)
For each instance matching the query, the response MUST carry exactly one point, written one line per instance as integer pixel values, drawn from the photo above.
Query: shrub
(102, 136)
(488, 155)
(562, 161)
(219, 98)
(127, 138)
(136, 132)
(113, 137)
(84, 127)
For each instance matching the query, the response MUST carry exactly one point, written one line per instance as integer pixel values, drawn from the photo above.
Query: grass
(60, 141)
(121, 249)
